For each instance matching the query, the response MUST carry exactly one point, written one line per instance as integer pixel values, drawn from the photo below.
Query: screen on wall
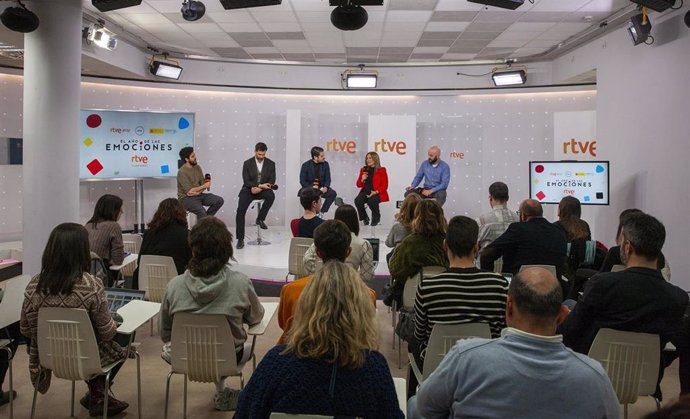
(130, 144)
(588, 181)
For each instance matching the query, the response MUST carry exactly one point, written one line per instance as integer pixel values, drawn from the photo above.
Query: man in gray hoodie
(209, 286)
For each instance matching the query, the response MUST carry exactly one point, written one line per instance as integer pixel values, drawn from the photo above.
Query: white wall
(643, 127)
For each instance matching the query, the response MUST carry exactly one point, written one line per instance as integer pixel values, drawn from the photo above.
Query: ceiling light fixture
(503, 4)
(169, 69)
(640, 28)
(108, 5)
(97, 34)
(192, 10)
(509, 76)
(19, 19)
(656, 5)
(359, 78)
(242, 4)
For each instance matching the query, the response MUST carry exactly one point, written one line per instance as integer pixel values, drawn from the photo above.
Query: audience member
(332, 242)
(12, 334)
(424, 247)
(330, 364)
(311, 202)
(403, 227)
(209, 286)
(495, 222)
(569, 213)
(105, 234)
(636, 299)
(462, 294)
(532, 241)
(361, 256)
(526, 373)
(64, 281)
(167, 235)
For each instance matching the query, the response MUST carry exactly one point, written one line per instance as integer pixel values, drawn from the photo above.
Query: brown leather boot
(97, 398)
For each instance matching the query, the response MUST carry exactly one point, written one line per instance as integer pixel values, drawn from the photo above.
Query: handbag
(405, 326)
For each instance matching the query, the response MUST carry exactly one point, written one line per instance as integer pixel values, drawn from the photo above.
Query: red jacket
(379, 182)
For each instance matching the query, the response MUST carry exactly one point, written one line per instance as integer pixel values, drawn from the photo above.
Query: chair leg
(33, 402)
(72, 401)
(9, 362)
(138, 356)
(241, 381)
(167, 395)
(185, 397)
(625, 411)
(105, 395)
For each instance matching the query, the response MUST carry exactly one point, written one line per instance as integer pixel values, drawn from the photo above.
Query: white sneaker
(226, 400)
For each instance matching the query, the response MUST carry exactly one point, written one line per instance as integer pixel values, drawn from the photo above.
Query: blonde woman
(330, 365)
(373, 184)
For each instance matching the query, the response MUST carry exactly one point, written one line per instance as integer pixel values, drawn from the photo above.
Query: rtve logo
(385, 146)
(578, 147)
(140, 160)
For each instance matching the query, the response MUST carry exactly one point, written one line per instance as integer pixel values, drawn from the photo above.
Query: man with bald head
(532, 241)
(526, 373)
(436, 175)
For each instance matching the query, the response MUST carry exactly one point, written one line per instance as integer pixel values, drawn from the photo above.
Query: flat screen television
(132, 144)
(588, 181)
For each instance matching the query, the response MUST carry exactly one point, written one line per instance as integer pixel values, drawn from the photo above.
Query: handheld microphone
(207, 178)
(274, 187)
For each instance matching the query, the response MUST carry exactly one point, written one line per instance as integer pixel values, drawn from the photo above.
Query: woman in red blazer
(373, 184)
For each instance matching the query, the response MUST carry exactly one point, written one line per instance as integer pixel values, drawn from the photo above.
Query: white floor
(270, 262)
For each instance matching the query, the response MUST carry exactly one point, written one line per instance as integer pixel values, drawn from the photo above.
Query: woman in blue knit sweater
(330, 365)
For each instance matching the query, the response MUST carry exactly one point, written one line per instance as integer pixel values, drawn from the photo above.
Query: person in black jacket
(259, 178)
(167, 235)
(316, 174)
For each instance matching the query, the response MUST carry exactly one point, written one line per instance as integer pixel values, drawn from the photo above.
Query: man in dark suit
(259, 177)
(316, 173)
(637, 299)
(532, 241)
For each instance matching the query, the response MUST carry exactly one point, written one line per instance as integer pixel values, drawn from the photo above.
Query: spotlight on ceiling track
(108, 5)
(509, 76)
(192, 10)
(243, 4)
(656, 5)
(97, 34)
(19, 19)
(359, 78)
(349, 15)
(640, 28)
(169, 69)
(503, 4)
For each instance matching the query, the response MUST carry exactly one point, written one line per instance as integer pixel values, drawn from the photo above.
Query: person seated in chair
(209, 286)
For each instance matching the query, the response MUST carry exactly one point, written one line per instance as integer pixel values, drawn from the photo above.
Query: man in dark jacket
(316, 173)
(259, 178)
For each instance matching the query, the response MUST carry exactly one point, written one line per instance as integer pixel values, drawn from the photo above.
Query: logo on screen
(396, 146)
(580, 147)
(139, 130)
(346, 146)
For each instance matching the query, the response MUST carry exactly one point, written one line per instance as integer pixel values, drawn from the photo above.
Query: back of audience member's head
(645, 233)
(170, 211)
(332, 240)
(348, 214)
(66, 258)
(537, 295)
(108, 208)
(335, 318)
(462, 235)
(531, 208)
(569, 207)
(408, 208)
(677, 410)
(308, 197)
(623, 216)
(211, 245)
(428, 219)
(499, 192)
(185, 152)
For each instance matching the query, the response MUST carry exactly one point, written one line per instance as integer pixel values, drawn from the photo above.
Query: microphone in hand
(274, 187)
(207, 178)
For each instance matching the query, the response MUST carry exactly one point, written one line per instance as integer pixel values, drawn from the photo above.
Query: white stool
(258, 242)
(191, 220)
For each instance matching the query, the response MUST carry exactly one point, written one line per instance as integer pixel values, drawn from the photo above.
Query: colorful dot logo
(88, 142)
(93, 121)
(183, 123)
(539, 168)
(94, 167)
(541, 195)
(600, 169)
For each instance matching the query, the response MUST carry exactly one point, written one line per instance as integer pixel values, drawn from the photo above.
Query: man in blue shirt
(436, 175)
(316, 173)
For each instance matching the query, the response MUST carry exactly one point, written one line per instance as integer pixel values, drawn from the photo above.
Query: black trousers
(246, 198)
(12, 333)
(373, 203)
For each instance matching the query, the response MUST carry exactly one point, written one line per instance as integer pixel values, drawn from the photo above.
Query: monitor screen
(588, 181)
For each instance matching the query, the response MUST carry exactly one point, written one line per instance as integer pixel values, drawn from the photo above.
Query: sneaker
(339, 201)
(226, 400)
(84, 401)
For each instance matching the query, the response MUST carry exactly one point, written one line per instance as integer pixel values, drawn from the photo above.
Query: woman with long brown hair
(373, 184)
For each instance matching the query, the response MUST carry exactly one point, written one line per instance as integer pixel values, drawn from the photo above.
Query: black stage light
(349, 17)
(656, 5)
(687, 19)
(639, 28)
(503, 4)
(108, 5)
(242, 4)
(19, 19)
(192, 10)
(357, 2)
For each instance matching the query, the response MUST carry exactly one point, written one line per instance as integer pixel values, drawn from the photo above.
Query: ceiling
(400, 31)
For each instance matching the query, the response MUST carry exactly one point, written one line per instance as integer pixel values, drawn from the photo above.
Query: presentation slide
(132, 144)
(588, 181)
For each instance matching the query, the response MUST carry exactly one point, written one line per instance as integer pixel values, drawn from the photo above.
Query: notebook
(117, 297)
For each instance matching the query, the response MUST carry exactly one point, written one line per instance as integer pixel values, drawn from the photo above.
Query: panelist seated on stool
(259, 178)
(259, 241)
(191, 184)
(316, 173)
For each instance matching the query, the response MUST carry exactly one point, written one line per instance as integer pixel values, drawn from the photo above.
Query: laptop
(118, 297)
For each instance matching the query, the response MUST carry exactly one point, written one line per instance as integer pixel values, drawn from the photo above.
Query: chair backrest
(443, 338)
(202, 347)
(294, 226)
(549, 268)
(432, 270)
(132, 242)
(154, 274)
(298, 247)
(631, 361)
(67, 343)
(410, 292)
(12, 299)
(581, 253)
(98, 269)
(617, 268)
(276, 415)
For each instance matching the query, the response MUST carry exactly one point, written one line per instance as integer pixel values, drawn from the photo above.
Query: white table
(401, 391)
(260, 328)
(130, 258)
